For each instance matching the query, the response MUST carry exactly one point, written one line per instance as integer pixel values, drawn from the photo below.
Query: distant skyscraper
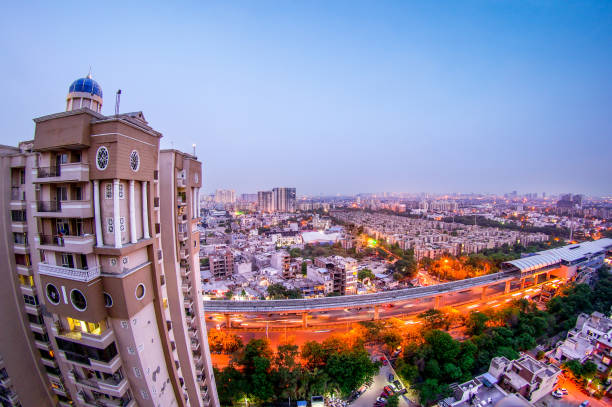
(264, 201)
(283, 199)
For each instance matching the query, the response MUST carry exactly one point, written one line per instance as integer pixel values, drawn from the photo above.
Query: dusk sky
(337, 97)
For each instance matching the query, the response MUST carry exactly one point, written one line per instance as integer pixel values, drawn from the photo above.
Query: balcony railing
(52, 240)
(46, 172)
(49, 206)
(68, 272)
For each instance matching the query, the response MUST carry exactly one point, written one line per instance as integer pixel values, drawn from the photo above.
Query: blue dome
(86, 85)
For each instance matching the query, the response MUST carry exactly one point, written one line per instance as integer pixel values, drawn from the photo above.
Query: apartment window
(93, 328)
(21, 176)
(62, 227)
(109, 225)
(26, 280)
(122, 223)
(108, 191)
(18, 216)
(61, 158)
(121, 194)
(61, 193)
(67, 260)
(30, 300)
(20, 238)
(77, 193)
(35, 319)
(75, 157)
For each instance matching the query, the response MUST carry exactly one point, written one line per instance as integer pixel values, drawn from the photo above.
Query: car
(585, 403)
(384, 360)
(563, 391)
(381, 400)
(388, 389)
(391, 378)
(556, 394)
(397, 384)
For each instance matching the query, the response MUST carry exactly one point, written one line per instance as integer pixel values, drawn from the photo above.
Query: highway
(355, 301)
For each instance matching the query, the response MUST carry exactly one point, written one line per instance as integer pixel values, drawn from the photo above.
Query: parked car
(388, 389)
(398, 385)
(391, 378)
(563, 391)
(384, 360)
(585, 403)
(381, 400)
(556, 394)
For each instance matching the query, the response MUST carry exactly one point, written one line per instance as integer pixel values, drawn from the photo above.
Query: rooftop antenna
(89, 74)
(194, 146)
(117, 101)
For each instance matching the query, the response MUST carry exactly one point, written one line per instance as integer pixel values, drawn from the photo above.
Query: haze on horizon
(338, 97)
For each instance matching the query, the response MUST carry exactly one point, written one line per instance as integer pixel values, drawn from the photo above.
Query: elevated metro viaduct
(439, 295)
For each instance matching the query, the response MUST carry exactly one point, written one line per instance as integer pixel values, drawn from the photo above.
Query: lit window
(121, 195)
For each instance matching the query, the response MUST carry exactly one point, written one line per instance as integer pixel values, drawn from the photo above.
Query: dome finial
(89, 74)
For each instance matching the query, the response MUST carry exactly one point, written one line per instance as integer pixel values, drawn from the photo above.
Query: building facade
(88, 282)
(265, 202)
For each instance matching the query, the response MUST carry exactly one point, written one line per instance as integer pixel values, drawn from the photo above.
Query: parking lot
(368, 398)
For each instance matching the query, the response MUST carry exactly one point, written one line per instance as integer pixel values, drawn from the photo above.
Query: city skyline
(338, 98)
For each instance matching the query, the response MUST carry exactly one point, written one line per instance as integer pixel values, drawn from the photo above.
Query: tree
(434, 319)
(304, 268)
(476, 323)
(277, 291)
(432, 390)
(365, 273)
(393, 401)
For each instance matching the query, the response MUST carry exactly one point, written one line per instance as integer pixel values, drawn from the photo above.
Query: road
(288, 328)
(575, 396)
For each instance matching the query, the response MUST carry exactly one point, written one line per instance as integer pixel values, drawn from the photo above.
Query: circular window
(140, 291)
(134, 160)
(78, 300)
(108, 300)
(113, 261)
(53, 294)
(102, 158)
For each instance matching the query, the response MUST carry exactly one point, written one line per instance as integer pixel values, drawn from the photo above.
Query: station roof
(567, 253)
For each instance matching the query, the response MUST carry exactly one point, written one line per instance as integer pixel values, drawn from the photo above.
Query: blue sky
(338, 97)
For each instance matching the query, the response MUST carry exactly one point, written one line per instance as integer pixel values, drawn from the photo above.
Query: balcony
(38, 328)
(182, 236)
(181, 201)
(17, 197)
(27, 290)
(49, 206)
(180, 182)
(70, 172)
(20, 248)
(67, 243)
(107, 367)
(67, 208)
(24, 270)
(49, 362)
(195, 346)
(84, 275)
(183, 253)
(43, 345)
(186, 287)
(184, 272)
(32, 309)
(5, 381)
(110, 386)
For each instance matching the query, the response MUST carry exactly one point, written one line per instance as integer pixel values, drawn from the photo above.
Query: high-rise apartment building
(225, 196)
(283, 199)
(265, 203)
(181, 181)
(100, 317)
